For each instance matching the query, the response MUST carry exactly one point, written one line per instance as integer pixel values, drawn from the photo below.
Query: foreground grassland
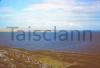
(21, 58)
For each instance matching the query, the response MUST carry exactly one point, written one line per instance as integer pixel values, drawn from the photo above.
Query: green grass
(27, 59)
(50, 61)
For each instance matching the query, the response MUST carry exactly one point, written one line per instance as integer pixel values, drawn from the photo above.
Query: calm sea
(92, 46)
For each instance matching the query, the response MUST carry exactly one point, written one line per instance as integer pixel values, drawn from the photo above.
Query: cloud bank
(66, 14)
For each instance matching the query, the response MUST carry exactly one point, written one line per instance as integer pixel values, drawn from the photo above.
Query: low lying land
(21, 58)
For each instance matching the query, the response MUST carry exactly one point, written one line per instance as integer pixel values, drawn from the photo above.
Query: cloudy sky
(44, 14)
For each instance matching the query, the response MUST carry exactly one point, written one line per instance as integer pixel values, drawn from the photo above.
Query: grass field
(21, 58)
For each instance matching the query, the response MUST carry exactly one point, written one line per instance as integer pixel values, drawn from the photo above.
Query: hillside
(21, 58)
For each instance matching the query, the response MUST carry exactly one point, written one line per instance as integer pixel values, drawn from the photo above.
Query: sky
(44, 14)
